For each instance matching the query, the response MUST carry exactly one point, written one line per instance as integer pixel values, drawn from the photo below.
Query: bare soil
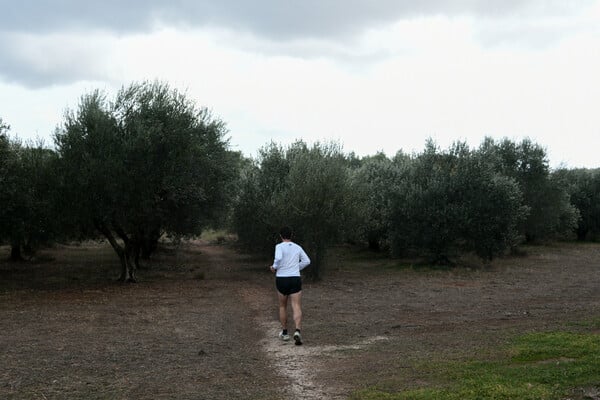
(202, 321)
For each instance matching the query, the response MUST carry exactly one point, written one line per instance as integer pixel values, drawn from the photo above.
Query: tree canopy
(148, 163)
(451, 202)
(304, 187)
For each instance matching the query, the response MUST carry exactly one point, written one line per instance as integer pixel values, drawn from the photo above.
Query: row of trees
(149, 163)
(27, 200)
(438, 203)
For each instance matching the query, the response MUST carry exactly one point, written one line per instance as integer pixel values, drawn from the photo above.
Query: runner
(289, 260)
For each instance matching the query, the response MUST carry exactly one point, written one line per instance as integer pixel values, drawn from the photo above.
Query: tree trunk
(129, 271)
(314, 271)
(127, 267)
(374, 244)
(15, 252)
(582, 234)
(131, 262)
(149, 243)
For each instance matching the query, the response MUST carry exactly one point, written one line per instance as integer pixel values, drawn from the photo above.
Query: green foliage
(251, 213)
(177, 166)
(8, 183)
(493, 209)
(551, 215)
(426, 209)
(372, 185)
(315, 200)
(90, 163)
(583, 186)
(453, 201)
(542, 366)
(28, 217)
(36, 218)
(148, 163)
(300, 186)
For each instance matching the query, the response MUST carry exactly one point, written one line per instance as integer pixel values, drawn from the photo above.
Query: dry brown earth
(201, 323)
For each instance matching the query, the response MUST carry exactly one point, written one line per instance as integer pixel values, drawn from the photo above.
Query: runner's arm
(304, 260)
(278, 257)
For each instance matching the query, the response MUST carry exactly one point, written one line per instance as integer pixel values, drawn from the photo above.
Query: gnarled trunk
(131, 263)
(130, 253)
(126, 253)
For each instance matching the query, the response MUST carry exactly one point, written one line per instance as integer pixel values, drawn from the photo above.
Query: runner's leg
(282, 310)
(297, 308)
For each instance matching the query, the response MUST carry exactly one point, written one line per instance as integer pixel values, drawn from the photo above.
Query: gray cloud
(275, 19)
(37, 61)
(14, 70)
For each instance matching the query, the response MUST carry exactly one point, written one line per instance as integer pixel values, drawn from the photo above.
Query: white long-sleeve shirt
(290, 259)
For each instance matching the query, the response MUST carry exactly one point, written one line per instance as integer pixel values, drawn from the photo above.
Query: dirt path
(299, 366)
(202, 322)
(295, 364)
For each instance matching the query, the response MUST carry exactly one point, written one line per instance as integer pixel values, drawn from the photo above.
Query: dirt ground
(202, 321)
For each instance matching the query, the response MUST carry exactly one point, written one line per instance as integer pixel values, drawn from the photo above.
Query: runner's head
(286, 233)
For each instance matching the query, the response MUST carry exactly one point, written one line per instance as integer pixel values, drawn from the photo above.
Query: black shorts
(288, 285)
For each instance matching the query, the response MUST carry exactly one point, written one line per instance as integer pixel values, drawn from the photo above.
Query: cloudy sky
(374, 75)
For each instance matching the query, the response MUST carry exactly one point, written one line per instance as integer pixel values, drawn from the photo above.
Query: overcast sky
(373, 75)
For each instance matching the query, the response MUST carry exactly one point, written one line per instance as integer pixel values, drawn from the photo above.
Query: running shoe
(297, 338)
(284, 336)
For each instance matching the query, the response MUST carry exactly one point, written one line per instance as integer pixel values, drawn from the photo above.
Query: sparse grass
(591, 324)
(536, 366)
(60, 267)
(359, 256)
(218, 236)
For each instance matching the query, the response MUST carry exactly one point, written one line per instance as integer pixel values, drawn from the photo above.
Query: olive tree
(36, 220)
(8, 182)
(27, 215)
(372, 185)
(254, 219)
(584, 191)
(453, 202)
(300, 186)
(148, 163)
(315, 200)
(551, 215)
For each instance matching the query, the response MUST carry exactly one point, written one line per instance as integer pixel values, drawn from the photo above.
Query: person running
(290, 259)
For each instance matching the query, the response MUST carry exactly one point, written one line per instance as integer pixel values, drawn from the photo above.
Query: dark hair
(286, 232)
